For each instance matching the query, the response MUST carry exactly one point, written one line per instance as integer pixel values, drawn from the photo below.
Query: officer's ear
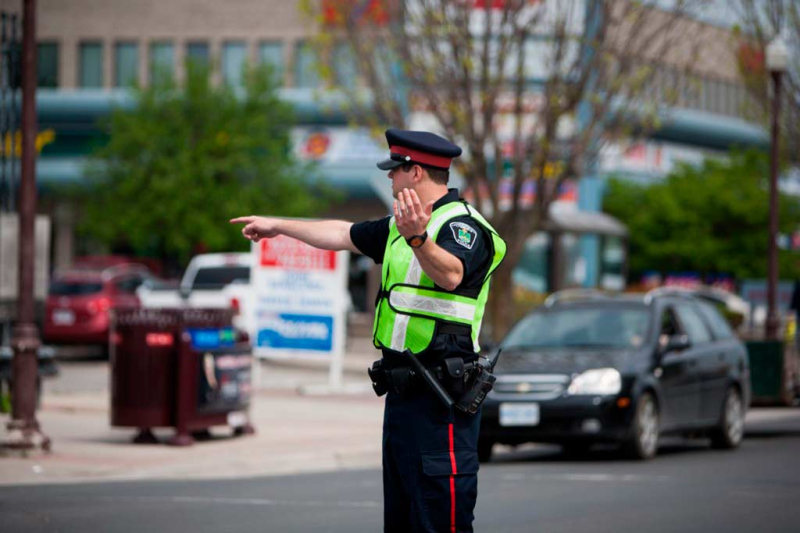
(419, 173)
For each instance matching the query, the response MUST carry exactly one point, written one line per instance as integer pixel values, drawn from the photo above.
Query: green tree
(709, 219)
(186, 158)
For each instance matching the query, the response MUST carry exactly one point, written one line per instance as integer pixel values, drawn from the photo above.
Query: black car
(590, 368)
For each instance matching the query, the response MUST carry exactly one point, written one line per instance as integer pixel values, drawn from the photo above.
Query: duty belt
(468, 382)
(453, 374)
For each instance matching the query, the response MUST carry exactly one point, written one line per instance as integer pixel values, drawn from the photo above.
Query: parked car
(219, 280)
(101, 262)
(735, 309)
(593, 368)
(77, 310)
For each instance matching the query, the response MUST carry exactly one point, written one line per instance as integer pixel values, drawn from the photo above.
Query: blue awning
(708, 130)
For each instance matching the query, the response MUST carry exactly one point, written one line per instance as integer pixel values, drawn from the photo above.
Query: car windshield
(74, 288)
(618, 327)
(218, 277)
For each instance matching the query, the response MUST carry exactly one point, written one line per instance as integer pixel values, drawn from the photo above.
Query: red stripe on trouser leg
(452, 504)
(452, 484)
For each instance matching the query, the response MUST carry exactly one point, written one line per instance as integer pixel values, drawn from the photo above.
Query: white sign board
(300, 300)
(9, 256)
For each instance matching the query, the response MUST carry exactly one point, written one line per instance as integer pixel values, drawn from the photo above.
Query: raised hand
(409, 214)
(257, 228)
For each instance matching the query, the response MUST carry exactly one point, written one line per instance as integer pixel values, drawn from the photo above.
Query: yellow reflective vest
(410, 305)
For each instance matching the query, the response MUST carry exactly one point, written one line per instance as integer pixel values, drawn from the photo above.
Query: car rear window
(218, 277)
(618, 327)
(693, 323)
(74, 288)
(719, 326)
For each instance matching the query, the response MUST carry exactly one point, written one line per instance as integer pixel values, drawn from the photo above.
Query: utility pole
(777, 60)
(24, 431)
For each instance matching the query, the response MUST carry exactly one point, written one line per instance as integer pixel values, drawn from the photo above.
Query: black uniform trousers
(430, 464)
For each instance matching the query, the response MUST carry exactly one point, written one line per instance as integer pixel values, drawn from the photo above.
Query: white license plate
(519, 414)
(63, 317)
(237, 419)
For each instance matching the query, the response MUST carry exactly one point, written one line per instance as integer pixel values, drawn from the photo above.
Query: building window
(612, 263)
(126, 64)
(234, 58)
(271, 53)
(305, 65)
(344, 65)
(47, 65)
(197, 53)
(91, 65)
(533, 270)
(162, 62)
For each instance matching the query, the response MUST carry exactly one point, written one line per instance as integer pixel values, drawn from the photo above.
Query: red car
(78, 304)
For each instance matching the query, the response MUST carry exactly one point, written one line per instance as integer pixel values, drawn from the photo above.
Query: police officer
(437, 254)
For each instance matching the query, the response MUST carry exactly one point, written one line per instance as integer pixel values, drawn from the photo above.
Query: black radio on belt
(481, 383)
(377, 374)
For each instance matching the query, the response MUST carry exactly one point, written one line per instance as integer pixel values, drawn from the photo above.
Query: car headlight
(599, 381)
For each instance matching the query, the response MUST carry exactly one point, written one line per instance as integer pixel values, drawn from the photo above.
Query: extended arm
(325, 234)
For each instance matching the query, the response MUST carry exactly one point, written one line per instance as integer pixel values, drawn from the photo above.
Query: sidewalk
(295, 431)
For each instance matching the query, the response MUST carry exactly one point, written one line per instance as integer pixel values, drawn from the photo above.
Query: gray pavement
(296, 431)
(688, 488)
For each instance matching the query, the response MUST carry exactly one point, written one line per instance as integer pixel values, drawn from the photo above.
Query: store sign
(301, 299)
(285, 253)
(755, 292)
(296, 332)
(337, 145)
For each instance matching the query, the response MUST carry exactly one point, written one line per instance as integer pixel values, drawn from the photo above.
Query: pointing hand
(257, 228)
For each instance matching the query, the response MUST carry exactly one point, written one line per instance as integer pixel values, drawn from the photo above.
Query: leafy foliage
(187, 158)
(710, 219)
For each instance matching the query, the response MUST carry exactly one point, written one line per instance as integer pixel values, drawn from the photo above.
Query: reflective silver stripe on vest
(412, 278)
(444, 308)
(401, 321)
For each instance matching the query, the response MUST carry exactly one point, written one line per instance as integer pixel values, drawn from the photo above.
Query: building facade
(91, 50)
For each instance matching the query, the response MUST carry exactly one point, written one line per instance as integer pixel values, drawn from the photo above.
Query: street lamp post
(23, 429)
(777, 63)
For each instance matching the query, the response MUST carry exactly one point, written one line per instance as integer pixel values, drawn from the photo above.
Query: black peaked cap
(430, 149)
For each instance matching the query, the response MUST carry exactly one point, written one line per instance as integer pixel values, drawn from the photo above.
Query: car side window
(693, 323)
(669, 327)
(719, 326)
(128, 284)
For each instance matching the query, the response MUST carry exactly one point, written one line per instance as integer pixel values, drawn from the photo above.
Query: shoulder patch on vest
(464, 234)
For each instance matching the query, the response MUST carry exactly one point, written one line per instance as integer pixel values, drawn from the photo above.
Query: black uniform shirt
(461, 236)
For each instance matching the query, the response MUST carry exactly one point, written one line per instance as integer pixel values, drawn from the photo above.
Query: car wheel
(730, 431)
(643, 439)
(485, 450)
